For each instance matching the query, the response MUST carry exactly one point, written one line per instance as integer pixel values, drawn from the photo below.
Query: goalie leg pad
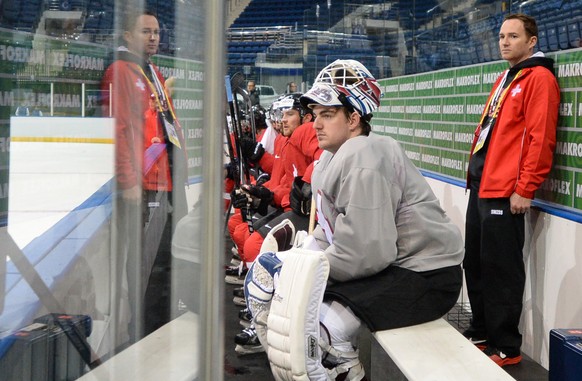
(259, 282)
(259, 286)
(293, 322)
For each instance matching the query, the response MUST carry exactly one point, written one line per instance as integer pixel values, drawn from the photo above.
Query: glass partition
(102, 148)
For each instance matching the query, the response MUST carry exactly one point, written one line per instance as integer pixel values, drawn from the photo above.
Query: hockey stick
(237, 81)
(228, 141)
(234, 116)
(235, 123)
(232, 158)
(312, 215)
(235, 85)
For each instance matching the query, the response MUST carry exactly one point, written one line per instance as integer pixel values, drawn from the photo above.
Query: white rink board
(48, 180)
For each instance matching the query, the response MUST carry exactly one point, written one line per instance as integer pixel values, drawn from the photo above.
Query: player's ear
(354, 120)
(127, 36)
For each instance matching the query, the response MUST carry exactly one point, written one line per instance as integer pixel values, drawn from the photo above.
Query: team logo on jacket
(516, 91)
(140, 84)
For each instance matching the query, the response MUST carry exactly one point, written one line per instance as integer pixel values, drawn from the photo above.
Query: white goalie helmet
(345, 83)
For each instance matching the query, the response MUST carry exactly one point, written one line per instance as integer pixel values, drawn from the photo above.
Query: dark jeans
(494, 270)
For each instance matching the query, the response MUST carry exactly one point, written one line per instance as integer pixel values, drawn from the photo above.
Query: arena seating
(573, 34)
(20, 15)
(447, 43)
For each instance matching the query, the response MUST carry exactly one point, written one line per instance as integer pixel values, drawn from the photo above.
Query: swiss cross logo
(139, 83)
(516, 91)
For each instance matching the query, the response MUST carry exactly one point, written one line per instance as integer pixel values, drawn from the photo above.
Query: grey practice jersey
(375, 209)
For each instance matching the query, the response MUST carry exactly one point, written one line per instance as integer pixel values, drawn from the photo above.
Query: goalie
(394, 256)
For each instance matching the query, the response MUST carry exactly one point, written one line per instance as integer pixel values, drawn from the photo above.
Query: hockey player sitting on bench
(394, 255)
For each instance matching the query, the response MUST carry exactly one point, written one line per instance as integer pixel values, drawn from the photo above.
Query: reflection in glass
(100, 166)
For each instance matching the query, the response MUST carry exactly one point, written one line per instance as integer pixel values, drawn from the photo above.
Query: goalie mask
(345, 83)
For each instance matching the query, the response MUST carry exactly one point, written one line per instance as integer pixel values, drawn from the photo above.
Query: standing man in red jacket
(128, 85)
(510, 158)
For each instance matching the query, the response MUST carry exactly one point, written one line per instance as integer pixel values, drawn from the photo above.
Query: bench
(433, 351)
(170, 353)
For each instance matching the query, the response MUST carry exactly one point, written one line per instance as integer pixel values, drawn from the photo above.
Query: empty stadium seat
(487, 53)
(542, 40)
(563, 40)
(552, 32)
(573, 34)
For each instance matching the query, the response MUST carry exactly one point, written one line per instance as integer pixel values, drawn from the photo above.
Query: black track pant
(397, 297)
(494, 270)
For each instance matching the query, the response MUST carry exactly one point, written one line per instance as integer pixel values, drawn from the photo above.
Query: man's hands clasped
(254, 197)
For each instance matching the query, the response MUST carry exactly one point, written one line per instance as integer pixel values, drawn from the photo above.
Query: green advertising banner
(434, 116)
(187, 95)
(45, 76)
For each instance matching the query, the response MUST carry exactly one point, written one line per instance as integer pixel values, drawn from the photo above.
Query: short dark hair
(364, 120)
(529, 23)
(130, 19)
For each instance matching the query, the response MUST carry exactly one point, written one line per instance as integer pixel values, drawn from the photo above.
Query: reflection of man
(253, 93)
(133, 79)
(130, 83)
(157, 177)
(291, 87)
(510, 158)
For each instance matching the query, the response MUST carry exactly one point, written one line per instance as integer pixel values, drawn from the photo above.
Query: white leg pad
(293, 322)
